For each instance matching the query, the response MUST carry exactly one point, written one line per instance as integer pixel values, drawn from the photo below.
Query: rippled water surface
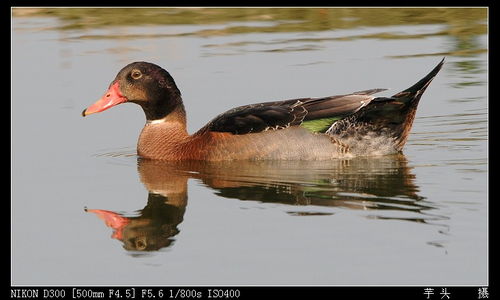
(86, 210)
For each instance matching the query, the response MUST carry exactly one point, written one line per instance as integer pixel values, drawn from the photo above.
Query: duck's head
(142, 83)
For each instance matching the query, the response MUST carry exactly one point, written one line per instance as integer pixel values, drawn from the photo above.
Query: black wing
(281, 114)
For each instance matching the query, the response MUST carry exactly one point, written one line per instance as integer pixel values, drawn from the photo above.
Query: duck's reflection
(150, 231)
(382, 183)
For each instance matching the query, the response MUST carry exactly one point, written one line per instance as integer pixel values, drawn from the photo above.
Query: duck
(324, 128)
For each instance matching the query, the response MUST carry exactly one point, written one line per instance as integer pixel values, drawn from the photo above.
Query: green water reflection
(462, 25)
(459, 20)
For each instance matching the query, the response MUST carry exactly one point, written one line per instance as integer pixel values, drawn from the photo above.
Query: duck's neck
(164, 138)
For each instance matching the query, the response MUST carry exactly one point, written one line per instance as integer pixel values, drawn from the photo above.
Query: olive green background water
(419, 218)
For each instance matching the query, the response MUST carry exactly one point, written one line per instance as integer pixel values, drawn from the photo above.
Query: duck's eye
(136, 74)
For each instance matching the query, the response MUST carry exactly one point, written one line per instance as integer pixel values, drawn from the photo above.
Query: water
(85, 209)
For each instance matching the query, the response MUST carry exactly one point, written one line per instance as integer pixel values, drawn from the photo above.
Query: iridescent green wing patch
(319, 125)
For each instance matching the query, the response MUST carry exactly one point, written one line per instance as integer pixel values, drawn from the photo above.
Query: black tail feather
(420, 86)
(396, 114)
